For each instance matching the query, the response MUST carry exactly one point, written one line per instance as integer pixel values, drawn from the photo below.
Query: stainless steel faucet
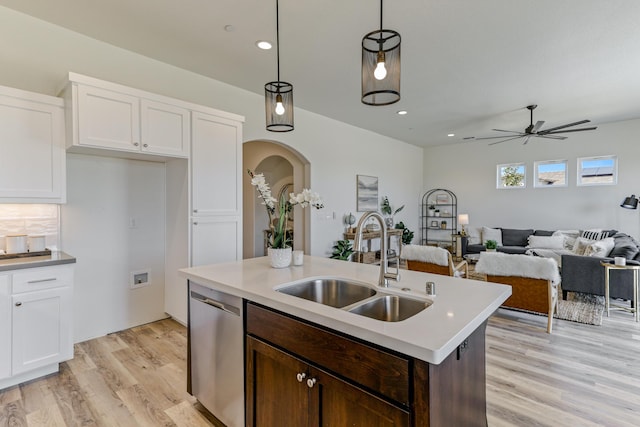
(384, 260)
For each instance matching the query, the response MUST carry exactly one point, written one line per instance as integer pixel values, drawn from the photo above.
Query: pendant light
(278, 95)
(381, 66)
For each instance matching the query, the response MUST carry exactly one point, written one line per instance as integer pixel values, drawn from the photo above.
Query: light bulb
(279, 107)
(380, 72)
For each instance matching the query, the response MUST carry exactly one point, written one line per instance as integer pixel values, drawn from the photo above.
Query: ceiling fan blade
(568, 130)
(505, 140)
(502, 130)
(565, 126)
(551, 137)
(519, 135)
(526, 140)
(537, 126)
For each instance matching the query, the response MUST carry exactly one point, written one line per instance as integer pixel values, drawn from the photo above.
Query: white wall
(469, 170)
(37, 56)
(103, 196)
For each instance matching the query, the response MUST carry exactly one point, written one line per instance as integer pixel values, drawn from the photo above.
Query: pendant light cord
(278, 40)
(380, 17)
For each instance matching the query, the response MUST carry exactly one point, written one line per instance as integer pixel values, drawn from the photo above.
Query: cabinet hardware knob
(18, 304)
(195, 211)
(145, 145)
(195, 223)
(136, 144)
(311, 382)
(301, 376)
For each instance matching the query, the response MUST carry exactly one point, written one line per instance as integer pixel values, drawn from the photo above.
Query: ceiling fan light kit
(278, 95)
(381, 66)
(533, 130)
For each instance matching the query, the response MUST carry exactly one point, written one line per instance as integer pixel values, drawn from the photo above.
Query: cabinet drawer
(377, 370)
(35, 279)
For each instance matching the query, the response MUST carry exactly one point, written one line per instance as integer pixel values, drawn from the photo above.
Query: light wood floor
(580, 375)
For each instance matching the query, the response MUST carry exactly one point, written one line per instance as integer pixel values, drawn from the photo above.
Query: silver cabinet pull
(50, 279)
(301, 376)
(195, 222)
(136, 144)
(145, 145)
(18, 304)
(311, 382)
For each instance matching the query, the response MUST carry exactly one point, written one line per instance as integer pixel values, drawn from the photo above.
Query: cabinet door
(215, 239)
(5, 328)
(108, 119)
(275, 397)
(42, 328)
(165, 129)
(32, 153)
(216, 164)
(339, 403)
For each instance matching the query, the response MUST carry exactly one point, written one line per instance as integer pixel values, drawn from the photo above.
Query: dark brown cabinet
(301, 374)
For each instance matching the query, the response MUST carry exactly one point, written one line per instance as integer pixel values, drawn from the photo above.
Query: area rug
(582, 308)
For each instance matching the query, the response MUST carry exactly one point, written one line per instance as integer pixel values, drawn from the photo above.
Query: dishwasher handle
(216, 304)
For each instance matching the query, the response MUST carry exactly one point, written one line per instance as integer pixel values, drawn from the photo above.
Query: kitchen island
(427, 370)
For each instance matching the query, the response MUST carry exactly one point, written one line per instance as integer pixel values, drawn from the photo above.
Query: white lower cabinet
(215, 239)
(5, 328)
(40, 332)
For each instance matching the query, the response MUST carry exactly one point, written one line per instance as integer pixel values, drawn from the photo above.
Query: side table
(608, 266)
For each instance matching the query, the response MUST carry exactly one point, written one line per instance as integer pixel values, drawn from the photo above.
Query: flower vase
(279, 258)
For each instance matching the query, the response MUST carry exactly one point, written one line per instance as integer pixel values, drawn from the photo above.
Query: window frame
(536, 173)
(499, 181)
(579, 176)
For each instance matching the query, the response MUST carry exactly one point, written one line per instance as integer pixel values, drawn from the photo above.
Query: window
(550, 173)
(512, 175)
(601, 170)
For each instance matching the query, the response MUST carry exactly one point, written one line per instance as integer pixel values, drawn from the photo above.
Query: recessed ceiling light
(402, 112)
(263, 44)
(451, 134)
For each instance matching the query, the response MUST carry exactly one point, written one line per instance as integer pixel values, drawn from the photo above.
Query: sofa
(580, 273)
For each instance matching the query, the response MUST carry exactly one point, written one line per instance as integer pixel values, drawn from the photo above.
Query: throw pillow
(580, 246)
(570, 237)
(594, 234)
(474, 235)
(627, 250)
(546, 242)
(600, 248)
(543, 233)
(511, 237)
(491, 234)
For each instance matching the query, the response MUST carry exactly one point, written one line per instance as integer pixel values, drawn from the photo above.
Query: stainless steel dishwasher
(217, 353)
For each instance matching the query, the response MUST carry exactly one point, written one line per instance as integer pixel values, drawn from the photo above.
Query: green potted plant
(385, 208)
(342, 250)
(491, 245)
(407, 235)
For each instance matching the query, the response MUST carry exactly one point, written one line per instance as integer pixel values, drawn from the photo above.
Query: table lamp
(463, 219)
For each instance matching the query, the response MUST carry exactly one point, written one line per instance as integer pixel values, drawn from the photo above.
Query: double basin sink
(356, 298)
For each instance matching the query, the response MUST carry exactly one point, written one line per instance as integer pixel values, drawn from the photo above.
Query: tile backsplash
(33, 220)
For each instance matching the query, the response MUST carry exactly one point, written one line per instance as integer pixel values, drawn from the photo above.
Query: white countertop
(459, 307)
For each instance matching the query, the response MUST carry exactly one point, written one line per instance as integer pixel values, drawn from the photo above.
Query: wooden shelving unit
(369, 256)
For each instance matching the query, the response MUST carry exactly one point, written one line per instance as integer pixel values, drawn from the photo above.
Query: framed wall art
(367, 193)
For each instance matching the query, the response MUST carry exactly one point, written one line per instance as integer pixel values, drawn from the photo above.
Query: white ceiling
(467, 65)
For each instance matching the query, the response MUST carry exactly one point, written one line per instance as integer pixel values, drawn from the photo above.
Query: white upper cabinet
(216, 164)
(32, 141)
(110, 119)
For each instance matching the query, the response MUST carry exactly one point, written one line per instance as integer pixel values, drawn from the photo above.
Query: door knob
(311, 382)
(301, 376)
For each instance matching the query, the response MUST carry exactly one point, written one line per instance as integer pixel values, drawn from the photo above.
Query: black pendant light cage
(278, 95)
(275, 92)
(381, 45)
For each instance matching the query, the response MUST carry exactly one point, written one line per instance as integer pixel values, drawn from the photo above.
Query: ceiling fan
(534, 130)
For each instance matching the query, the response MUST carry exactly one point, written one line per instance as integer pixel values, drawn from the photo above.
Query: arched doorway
(286, 170)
